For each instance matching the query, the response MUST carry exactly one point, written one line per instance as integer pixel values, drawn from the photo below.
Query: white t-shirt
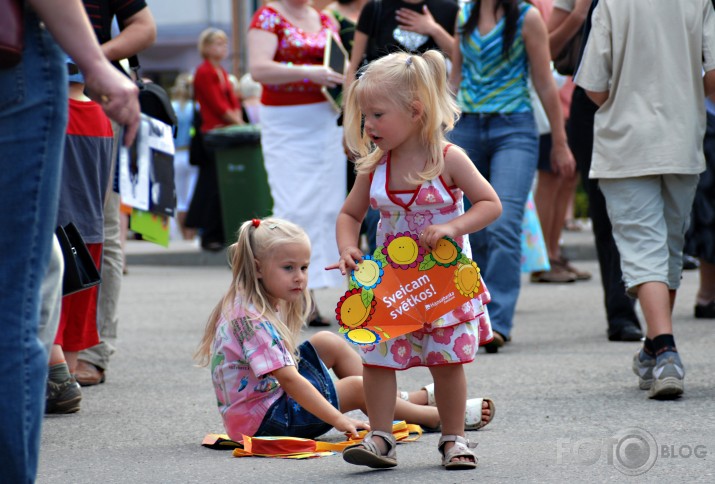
(650, 57)
(566, 5)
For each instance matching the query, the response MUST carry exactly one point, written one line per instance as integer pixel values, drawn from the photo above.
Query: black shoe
(624, 331)
(498, 341)
(63, 397)
(690, 263)
(705, 311)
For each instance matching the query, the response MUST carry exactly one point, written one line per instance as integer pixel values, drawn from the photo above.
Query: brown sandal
(461, 448)
(367, 453)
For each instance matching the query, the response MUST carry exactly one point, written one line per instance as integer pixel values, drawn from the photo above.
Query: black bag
(80, 271)
(198, 153)
(12, 30)
(153, 99)
(566, 61)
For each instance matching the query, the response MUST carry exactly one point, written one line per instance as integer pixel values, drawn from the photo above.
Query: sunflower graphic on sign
(401, 287)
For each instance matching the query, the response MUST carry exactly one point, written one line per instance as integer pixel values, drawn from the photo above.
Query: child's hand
(349, 259)
(350, 426)
(431, 234)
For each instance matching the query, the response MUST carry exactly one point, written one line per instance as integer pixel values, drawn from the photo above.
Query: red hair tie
(256, 222)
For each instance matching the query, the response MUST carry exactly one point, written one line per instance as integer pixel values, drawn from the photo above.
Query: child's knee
(328, 338)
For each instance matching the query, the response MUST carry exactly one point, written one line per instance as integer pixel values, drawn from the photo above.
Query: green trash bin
(242, 180)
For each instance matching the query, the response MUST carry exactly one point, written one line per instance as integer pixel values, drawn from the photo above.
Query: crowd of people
(439, 136)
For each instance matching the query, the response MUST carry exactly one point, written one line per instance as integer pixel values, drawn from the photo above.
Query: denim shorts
(650, 216)
(545, 145)
(286, 417)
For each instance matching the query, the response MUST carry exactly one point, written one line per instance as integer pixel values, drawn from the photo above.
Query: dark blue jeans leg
(505, 150)
(33, 117)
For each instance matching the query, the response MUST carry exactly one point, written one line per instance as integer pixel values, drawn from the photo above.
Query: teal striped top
(490, 83)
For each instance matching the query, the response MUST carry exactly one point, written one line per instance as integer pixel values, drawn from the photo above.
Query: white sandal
(430, 394)
(367, 453)
(473, 418)
(461, 448)
(473, 413)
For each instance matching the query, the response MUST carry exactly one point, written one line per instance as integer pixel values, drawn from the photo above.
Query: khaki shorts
(650, 215)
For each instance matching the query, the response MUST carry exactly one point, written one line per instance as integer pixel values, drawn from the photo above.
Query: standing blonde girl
(266, 383)
(408, 171)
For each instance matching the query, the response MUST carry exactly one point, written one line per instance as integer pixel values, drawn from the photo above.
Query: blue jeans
(286, 417)
(33, 117)
(504, 148)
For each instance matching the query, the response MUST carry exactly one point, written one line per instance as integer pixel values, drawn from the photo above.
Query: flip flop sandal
(367, 453)
(462, 448)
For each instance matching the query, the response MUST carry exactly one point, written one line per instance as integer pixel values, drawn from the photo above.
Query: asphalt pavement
(568, 408)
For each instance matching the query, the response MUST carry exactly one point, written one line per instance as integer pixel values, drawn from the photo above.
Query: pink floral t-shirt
(245, 350)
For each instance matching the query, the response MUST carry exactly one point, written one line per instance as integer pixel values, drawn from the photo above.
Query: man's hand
(118, 96)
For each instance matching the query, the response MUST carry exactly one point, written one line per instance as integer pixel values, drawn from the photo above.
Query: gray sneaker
(63, 397)
(668, 375)
(643, 367)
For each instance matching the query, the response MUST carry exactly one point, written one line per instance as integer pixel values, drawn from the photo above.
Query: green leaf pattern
(428, 263)
(367, 297)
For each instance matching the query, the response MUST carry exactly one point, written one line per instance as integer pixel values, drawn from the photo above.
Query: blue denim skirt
(286, 417)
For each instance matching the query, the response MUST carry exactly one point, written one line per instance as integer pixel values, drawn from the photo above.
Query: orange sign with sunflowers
(400, 288)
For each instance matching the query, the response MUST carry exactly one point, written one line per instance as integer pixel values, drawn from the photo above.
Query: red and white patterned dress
(455, 337)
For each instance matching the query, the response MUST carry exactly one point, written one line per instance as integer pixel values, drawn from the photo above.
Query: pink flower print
(436, 358)
(448, 210)
(418, 220)
(465, 347)
(464, 313)
(401, 351)
(373, 203)
(443, 335)
(429, 196)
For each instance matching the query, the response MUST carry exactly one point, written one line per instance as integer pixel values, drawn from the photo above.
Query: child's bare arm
(347, 227)
(486, 207)
(308, 397)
